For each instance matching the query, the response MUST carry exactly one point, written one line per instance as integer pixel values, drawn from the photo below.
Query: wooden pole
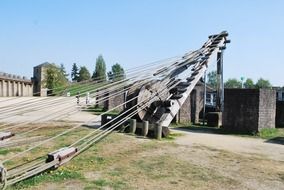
(158, 131)
(145, 128)
(132, 126)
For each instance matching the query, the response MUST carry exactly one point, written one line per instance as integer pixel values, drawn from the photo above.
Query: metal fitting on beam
(227, 41)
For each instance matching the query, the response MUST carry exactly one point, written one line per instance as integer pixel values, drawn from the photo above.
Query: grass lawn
(123, 161)
(83, 88)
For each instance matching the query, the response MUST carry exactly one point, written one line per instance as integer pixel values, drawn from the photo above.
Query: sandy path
(241, 145)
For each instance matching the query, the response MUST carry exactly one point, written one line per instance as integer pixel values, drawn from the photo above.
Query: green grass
(269, 133)
(100, 110)
(4, 152)
(61, 174)
(74, 88)
(173, 136)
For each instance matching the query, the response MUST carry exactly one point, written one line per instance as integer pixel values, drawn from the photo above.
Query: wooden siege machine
(163, 108)
(179, 79)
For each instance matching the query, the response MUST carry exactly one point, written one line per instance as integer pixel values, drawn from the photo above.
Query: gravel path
(236, 144)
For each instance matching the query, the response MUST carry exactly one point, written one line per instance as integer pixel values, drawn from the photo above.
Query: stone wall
(115, 100)
(184, 114)
(13, 85)
(280, 114)
(190, 110)
(267, 109)
(249, 110)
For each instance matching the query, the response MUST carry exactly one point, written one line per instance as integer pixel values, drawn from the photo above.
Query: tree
(261, 83)
(116, 73)
(100, 70)
(84, 74)
(63, 71)
(54, 78)
(212, 79)
(74, 72)
(249, 83)
(233, 83)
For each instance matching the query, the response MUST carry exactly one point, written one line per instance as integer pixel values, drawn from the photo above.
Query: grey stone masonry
(115, 100)
(249, 110)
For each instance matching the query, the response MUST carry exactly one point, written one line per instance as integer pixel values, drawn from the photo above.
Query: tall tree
(54, 78)
(233, 83)
(212, 79)
(261, 83)
(249, 83)
(74, 72)
(63, 70)
(116, 73)
(100, 70)
(84, 74)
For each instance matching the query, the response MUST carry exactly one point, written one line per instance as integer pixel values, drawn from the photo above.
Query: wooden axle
(61, 155)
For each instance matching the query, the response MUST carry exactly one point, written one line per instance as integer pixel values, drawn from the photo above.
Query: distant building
(279, 93)
(14, 85)
(211, 98)
(38, 79)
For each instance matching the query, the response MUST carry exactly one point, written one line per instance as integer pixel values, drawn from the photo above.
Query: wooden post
(132, 126)
(158, 131)
(145, 128)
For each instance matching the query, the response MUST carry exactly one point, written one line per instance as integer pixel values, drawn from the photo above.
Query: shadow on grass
(276, 140)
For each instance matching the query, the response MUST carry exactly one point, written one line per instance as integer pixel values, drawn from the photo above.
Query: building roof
(45, 64)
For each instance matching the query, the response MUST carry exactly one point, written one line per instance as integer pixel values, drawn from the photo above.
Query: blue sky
(136, 32)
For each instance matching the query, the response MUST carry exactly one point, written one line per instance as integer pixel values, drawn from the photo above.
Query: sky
(137, 32)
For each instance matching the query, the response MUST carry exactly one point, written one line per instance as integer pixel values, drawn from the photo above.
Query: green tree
(74, 72)
(100, 70)
(84, 74)
(212, 79)
(233, 83)
(261, 83)
(63, 70)
(249, 83)
(116, 73)
(54, 78)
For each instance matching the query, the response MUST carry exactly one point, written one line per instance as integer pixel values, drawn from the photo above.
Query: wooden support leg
(145, 128)
(132, 126)
(158, 131)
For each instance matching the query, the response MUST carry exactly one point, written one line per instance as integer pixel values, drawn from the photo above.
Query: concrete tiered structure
(13, 85)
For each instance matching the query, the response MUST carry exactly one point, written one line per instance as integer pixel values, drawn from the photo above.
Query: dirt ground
(190, 161)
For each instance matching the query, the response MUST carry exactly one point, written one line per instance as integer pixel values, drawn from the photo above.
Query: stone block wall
(189, 112)
(249, 110)
(280, 114)
(184, 114)
(116, 100)
(267, 108)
